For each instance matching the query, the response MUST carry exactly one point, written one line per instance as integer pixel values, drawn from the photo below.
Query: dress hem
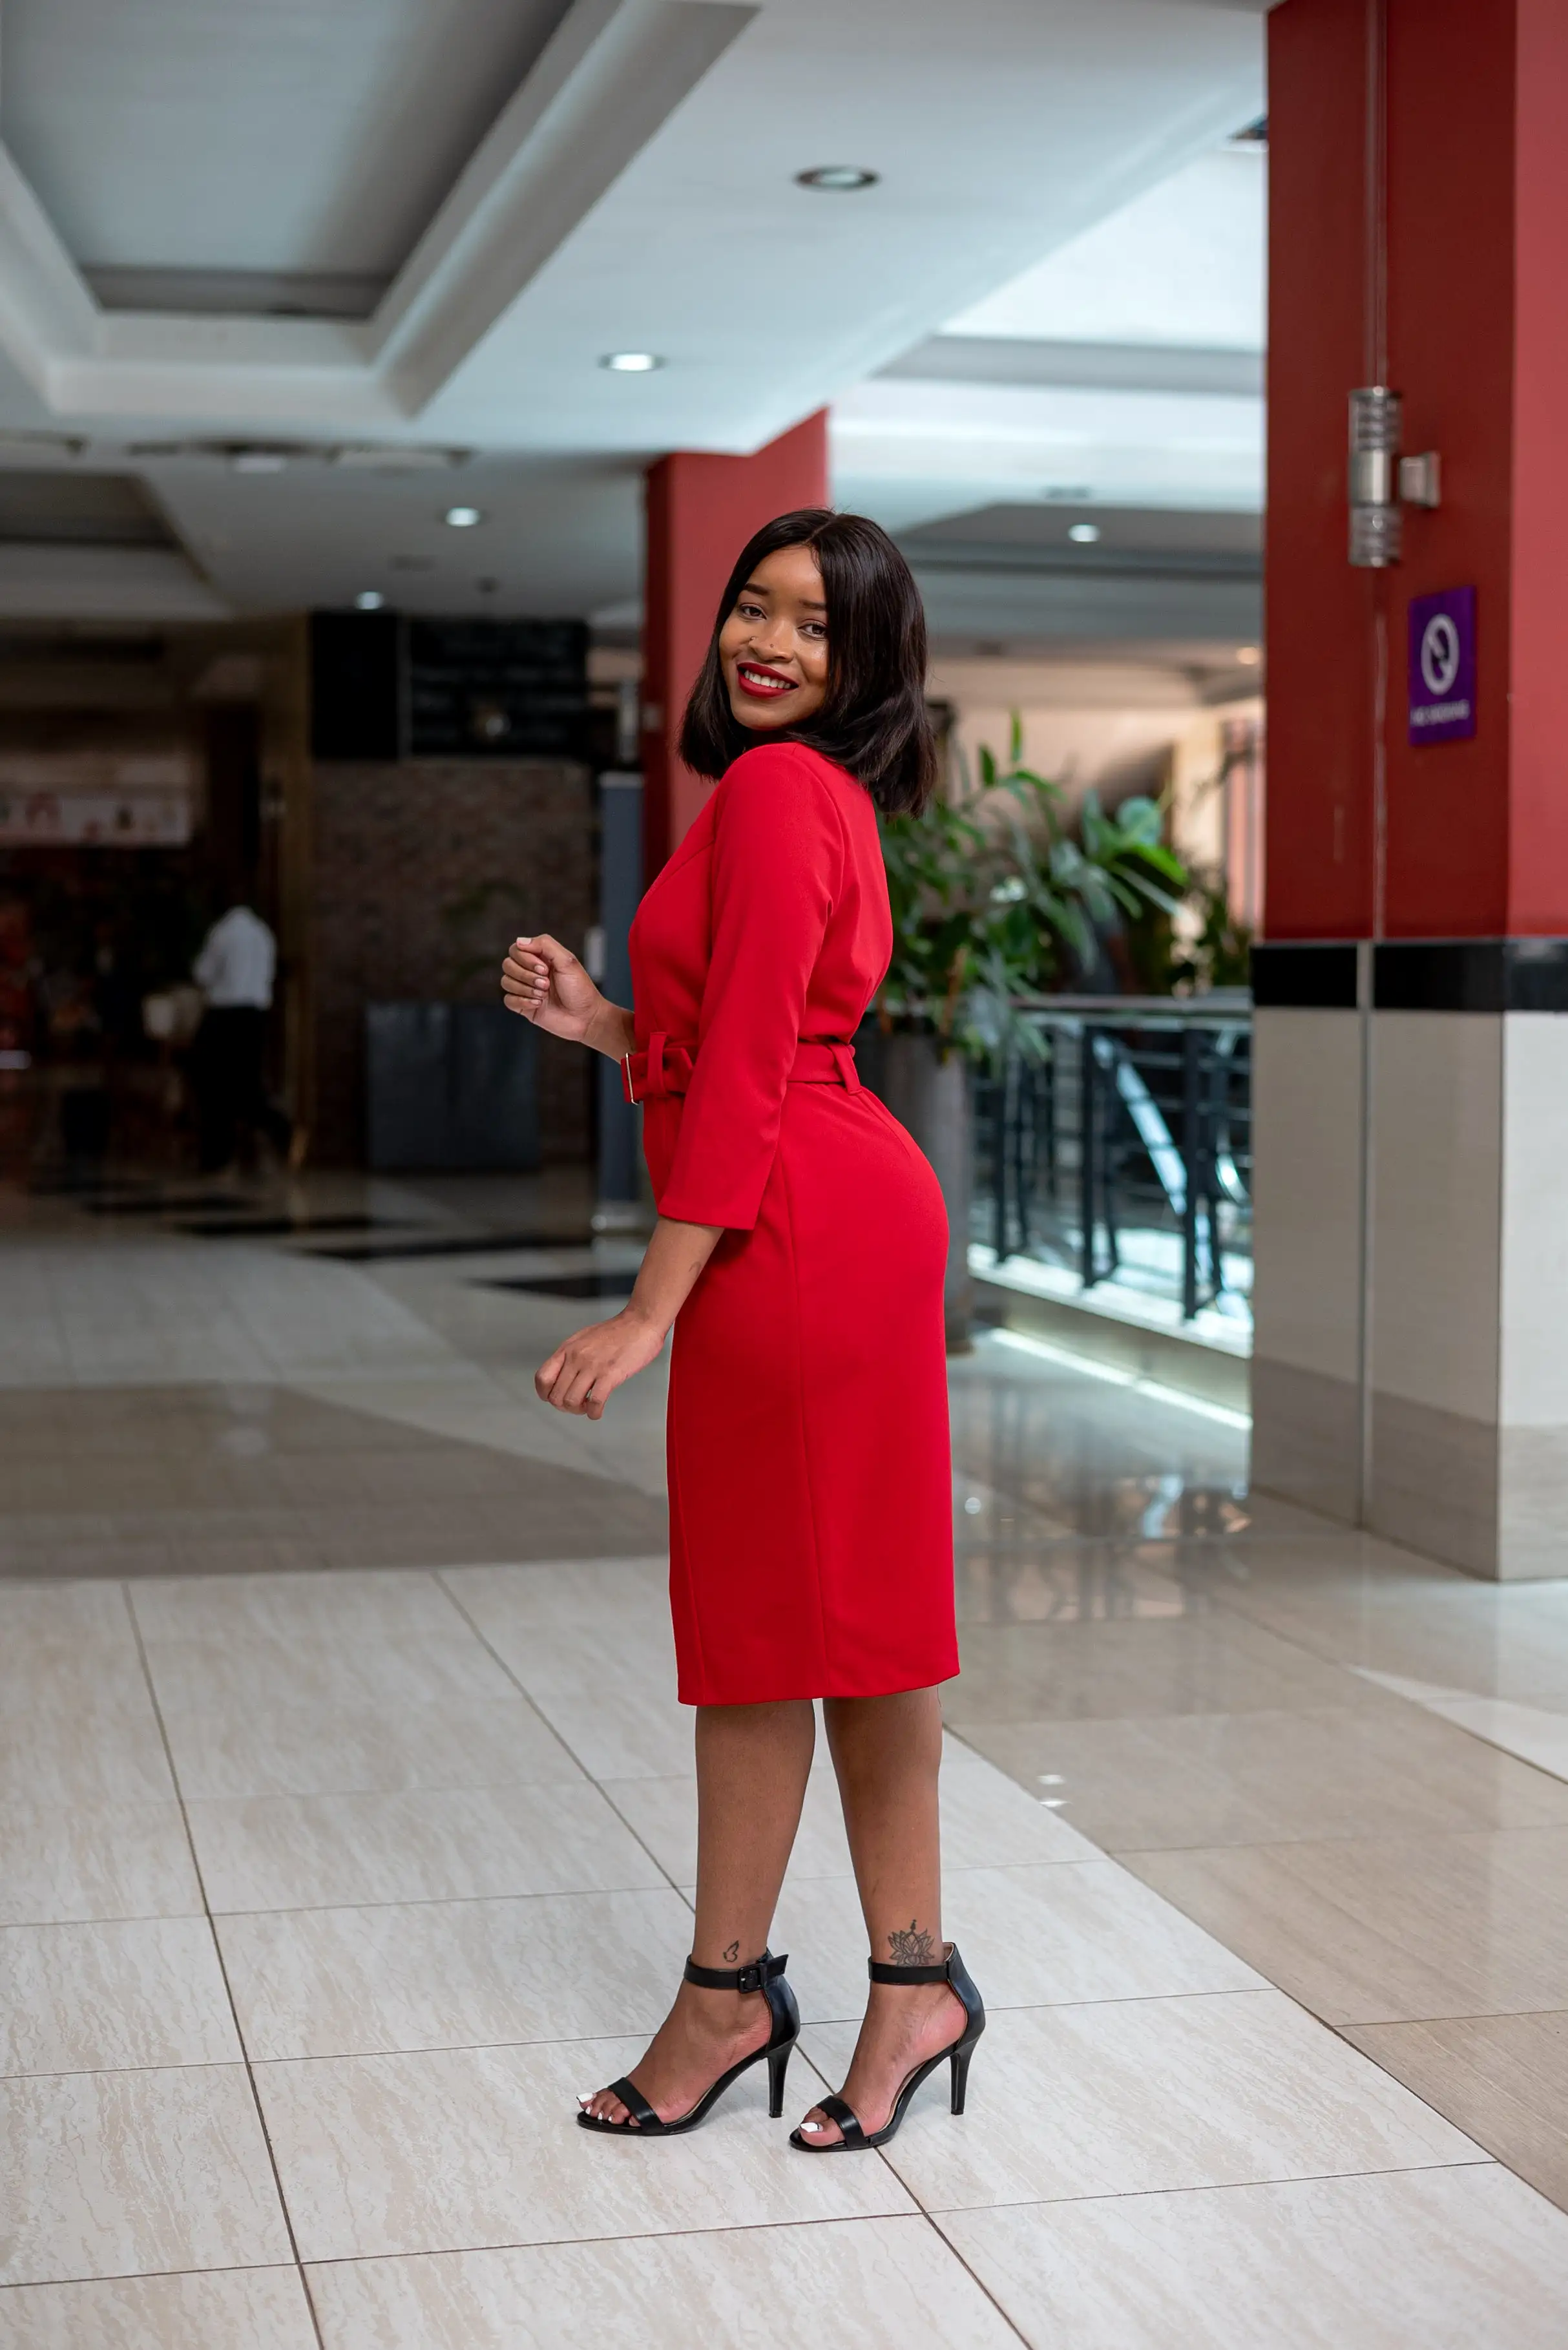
(789, 1696)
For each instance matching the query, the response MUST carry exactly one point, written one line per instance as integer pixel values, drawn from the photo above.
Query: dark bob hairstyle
(873, 721)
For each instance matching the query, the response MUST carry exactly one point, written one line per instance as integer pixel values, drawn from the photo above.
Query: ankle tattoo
(911, 1946)
(732, 1953)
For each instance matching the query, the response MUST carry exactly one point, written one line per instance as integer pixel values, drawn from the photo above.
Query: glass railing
(1114, 1160)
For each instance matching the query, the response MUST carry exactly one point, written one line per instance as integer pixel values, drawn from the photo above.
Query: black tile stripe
(1307, 974)
(1416, 974)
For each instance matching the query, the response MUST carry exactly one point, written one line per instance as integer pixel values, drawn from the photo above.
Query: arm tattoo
(912, 1946)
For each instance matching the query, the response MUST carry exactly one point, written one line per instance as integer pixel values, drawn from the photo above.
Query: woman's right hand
(546, 983)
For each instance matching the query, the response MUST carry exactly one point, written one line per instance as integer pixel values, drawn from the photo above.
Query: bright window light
(369, 599)
(1153, 1389)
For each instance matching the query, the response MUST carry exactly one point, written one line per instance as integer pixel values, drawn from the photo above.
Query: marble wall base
(1306, 1437)
(1447, 1128)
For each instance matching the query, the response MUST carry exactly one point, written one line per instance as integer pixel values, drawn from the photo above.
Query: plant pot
(931, 1097)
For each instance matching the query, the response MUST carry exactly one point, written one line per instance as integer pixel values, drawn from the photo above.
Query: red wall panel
(1537, 851)
(1319, 834)
(700, 511)
(1471, 839)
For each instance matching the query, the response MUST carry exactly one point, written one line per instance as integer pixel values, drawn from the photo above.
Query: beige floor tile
(505, 1601)
(1388, 1931)
(663, 1811)
(215, 1671)
(118, 2174)
(288, 1852)
(1080, 1581)
(1391, 1612)
(222, 2309)
(70, 1742)
(990, 1822)
(1267, 1778)
(467, 2147)
(1534, 1733)
(139, 1992)
(1502, 2079)
(336, 1983)
(987, 1820)
(609, 1690)
(365, 1749)
(73, 1615)
(860, 2284)
(394, 1606)
(1207, 1663)
(1031, 1938)
(1447, 2258)
(1130, 2096)
(105, 1860)
(99, 1675)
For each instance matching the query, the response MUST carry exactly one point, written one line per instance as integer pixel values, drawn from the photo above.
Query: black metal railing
(1116, 1143)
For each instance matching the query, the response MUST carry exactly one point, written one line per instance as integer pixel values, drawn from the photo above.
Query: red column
(1418, 237)
(701, 510)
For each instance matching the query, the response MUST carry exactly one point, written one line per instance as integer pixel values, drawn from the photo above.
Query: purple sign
(1443, 666)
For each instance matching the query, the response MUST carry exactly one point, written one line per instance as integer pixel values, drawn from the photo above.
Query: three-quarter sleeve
(778, 869)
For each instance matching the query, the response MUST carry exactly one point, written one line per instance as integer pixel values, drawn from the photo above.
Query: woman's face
(772, 649)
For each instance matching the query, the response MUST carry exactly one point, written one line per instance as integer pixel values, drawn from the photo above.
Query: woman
(798, 1255)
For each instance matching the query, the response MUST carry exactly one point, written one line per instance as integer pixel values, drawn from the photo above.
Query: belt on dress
(666, 1067)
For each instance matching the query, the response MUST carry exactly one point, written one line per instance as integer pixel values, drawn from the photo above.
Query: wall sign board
(497, 689)
(1443, 666)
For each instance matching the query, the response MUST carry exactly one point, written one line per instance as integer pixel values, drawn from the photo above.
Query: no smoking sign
(1443, 666)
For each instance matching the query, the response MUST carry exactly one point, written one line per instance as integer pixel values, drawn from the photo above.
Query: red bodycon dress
(810, 1489)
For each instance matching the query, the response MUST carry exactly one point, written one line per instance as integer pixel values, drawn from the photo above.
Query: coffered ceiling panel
(314, 138)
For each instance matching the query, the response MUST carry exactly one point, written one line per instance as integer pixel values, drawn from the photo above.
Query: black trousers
(231, 1103)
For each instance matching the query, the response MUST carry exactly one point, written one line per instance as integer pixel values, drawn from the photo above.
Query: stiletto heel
(852, 2138)
(765, 1974)
(778, 2066)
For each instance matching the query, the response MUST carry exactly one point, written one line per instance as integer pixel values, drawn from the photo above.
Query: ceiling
(394, 229)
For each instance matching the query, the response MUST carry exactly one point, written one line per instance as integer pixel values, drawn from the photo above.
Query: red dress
(810, 1487)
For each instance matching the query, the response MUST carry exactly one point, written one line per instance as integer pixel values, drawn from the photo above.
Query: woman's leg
(888, 1752)
(752, 1767)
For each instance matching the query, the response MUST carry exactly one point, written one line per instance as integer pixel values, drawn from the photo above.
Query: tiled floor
(322, 1893)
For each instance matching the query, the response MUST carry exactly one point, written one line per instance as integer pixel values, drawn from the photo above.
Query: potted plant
(988, 890)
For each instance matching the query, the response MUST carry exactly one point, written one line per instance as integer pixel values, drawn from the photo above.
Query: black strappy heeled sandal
(765, 1974)
(852, 2138)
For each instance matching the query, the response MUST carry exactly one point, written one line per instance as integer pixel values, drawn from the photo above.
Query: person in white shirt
(235, 972)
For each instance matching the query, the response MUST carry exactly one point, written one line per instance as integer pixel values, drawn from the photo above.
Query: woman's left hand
(583, 1374)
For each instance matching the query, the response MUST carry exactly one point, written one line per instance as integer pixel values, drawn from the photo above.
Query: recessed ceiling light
(838, 178)
(1084, 533)
(464, 517)
(632, 362)
(369, 599)
(1249, 656)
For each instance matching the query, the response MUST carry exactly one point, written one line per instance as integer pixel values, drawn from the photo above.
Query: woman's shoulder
(774, 770)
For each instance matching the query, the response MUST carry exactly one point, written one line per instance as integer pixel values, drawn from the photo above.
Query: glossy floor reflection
(346, 1830)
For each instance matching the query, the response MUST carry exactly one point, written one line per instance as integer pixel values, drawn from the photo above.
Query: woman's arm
(544, 981)
(582, 1375)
